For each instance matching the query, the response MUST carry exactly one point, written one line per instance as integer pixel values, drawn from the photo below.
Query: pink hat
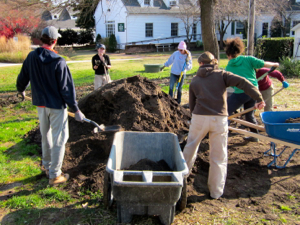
(182, 45)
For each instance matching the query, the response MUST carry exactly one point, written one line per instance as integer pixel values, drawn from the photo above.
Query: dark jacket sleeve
(192, 99)
(242, 83)
(66, 85)
(23, 78)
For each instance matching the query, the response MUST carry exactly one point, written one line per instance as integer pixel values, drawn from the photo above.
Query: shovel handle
(252, 108)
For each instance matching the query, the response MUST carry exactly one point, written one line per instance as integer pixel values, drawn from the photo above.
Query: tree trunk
(209, 37)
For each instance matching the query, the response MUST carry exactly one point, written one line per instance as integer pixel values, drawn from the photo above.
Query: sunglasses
(102, 48)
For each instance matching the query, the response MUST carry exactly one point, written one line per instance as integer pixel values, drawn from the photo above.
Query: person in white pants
(207, 102)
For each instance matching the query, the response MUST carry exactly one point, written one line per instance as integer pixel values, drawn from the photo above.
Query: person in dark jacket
(52, 90)
(101, 65)
(265, 85)
(208, 104)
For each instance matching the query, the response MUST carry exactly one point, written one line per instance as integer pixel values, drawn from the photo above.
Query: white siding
(161, 28)
(296, 43)
(117, 13)
(266, 18)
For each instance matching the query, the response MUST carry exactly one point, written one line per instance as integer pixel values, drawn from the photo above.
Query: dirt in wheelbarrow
(293, 120)
(254, 192)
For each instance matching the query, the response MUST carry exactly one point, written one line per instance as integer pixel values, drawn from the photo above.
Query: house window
(240, 27)
(173, 3)
(149, 29)
(146, 2)
(174, 29)
(194, 31)
(232, 28)
(110, 28)
(265, 28)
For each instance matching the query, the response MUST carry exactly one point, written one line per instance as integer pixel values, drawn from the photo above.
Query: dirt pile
(135, 103)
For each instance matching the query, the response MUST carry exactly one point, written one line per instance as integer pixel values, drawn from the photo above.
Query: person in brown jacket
(208, 104)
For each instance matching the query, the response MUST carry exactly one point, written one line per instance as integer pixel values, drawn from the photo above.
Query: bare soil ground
(254, 192)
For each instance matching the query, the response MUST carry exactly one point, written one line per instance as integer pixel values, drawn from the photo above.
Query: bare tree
(226, 12)
(284, 10)
(209, 37)
(190, 16)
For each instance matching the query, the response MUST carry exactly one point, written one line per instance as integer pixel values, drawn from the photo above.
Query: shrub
(86, 37)
(289, 67)
(112, 43)
(272, 49)
(68, 37)
(14, 51)
(98, 38)
(105, 41)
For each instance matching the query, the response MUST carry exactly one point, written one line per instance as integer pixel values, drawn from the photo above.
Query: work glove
(162, 68)
(22, 95)
(79, 116)
(285, 84)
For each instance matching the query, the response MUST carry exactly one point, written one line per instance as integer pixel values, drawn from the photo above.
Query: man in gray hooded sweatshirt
(52, 90)
(207, 102)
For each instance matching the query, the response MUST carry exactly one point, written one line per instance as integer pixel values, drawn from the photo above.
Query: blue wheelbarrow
(279, 132)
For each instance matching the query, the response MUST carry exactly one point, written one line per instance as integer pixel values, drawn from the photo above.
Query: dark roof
(66, 24)
(159, 7)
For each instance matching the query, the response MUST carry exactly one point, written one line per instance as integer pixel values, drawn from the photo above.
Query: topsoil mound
(135, 103)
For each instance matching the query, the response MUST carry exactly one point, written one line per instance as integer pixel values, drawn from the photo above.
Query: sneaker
(252, 139)
(59, 180)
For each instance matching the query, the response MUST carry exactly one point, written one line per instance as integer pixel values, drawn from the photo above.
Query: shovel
(252, 108)
(98, 128)
(178, 82)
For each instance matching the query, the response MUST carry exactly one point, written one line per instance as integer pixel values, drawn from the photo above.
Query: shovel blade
(102, 128)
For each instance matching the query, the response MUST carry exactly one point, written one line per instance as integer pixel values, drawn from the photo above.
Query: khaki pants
(267, 96)
(101, 80)
(217, 127)
(55, 133)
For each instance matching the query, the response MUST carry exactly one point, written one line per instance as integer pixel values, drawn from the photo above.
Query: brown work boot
(59, 180)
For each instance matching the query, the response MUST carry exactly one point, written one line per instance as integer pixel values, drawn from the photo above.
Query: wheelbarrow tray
(276, 126)
(145, 192)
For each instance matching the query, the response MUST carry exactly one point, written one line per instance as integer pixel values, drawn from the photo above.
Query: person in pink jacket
(265, 85)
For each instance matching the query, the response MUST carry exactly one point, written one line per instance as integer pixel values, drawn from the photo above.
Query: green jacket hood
(235, 61)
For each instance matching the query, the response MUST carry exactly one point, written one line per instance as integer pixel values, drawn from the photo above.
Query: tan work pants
(101, 80)
(267, 96)
(217, 127)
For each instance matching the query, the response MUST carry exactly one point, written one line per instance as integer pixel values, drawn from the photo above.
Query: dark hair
(47, 40)
(207, 58)
(234, 47)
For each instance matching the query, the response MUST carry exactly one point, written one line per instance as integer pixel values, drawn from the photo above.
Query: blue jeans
(235, 101)
(173, 79)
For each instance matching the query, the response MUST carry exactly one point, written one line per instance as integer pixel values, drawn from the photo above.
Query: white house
(143, 21)
(296, 51)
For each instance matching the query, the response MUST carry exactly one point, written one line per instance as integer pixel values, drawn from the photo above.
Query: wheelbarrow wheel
(181, 204)
(107, 191)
